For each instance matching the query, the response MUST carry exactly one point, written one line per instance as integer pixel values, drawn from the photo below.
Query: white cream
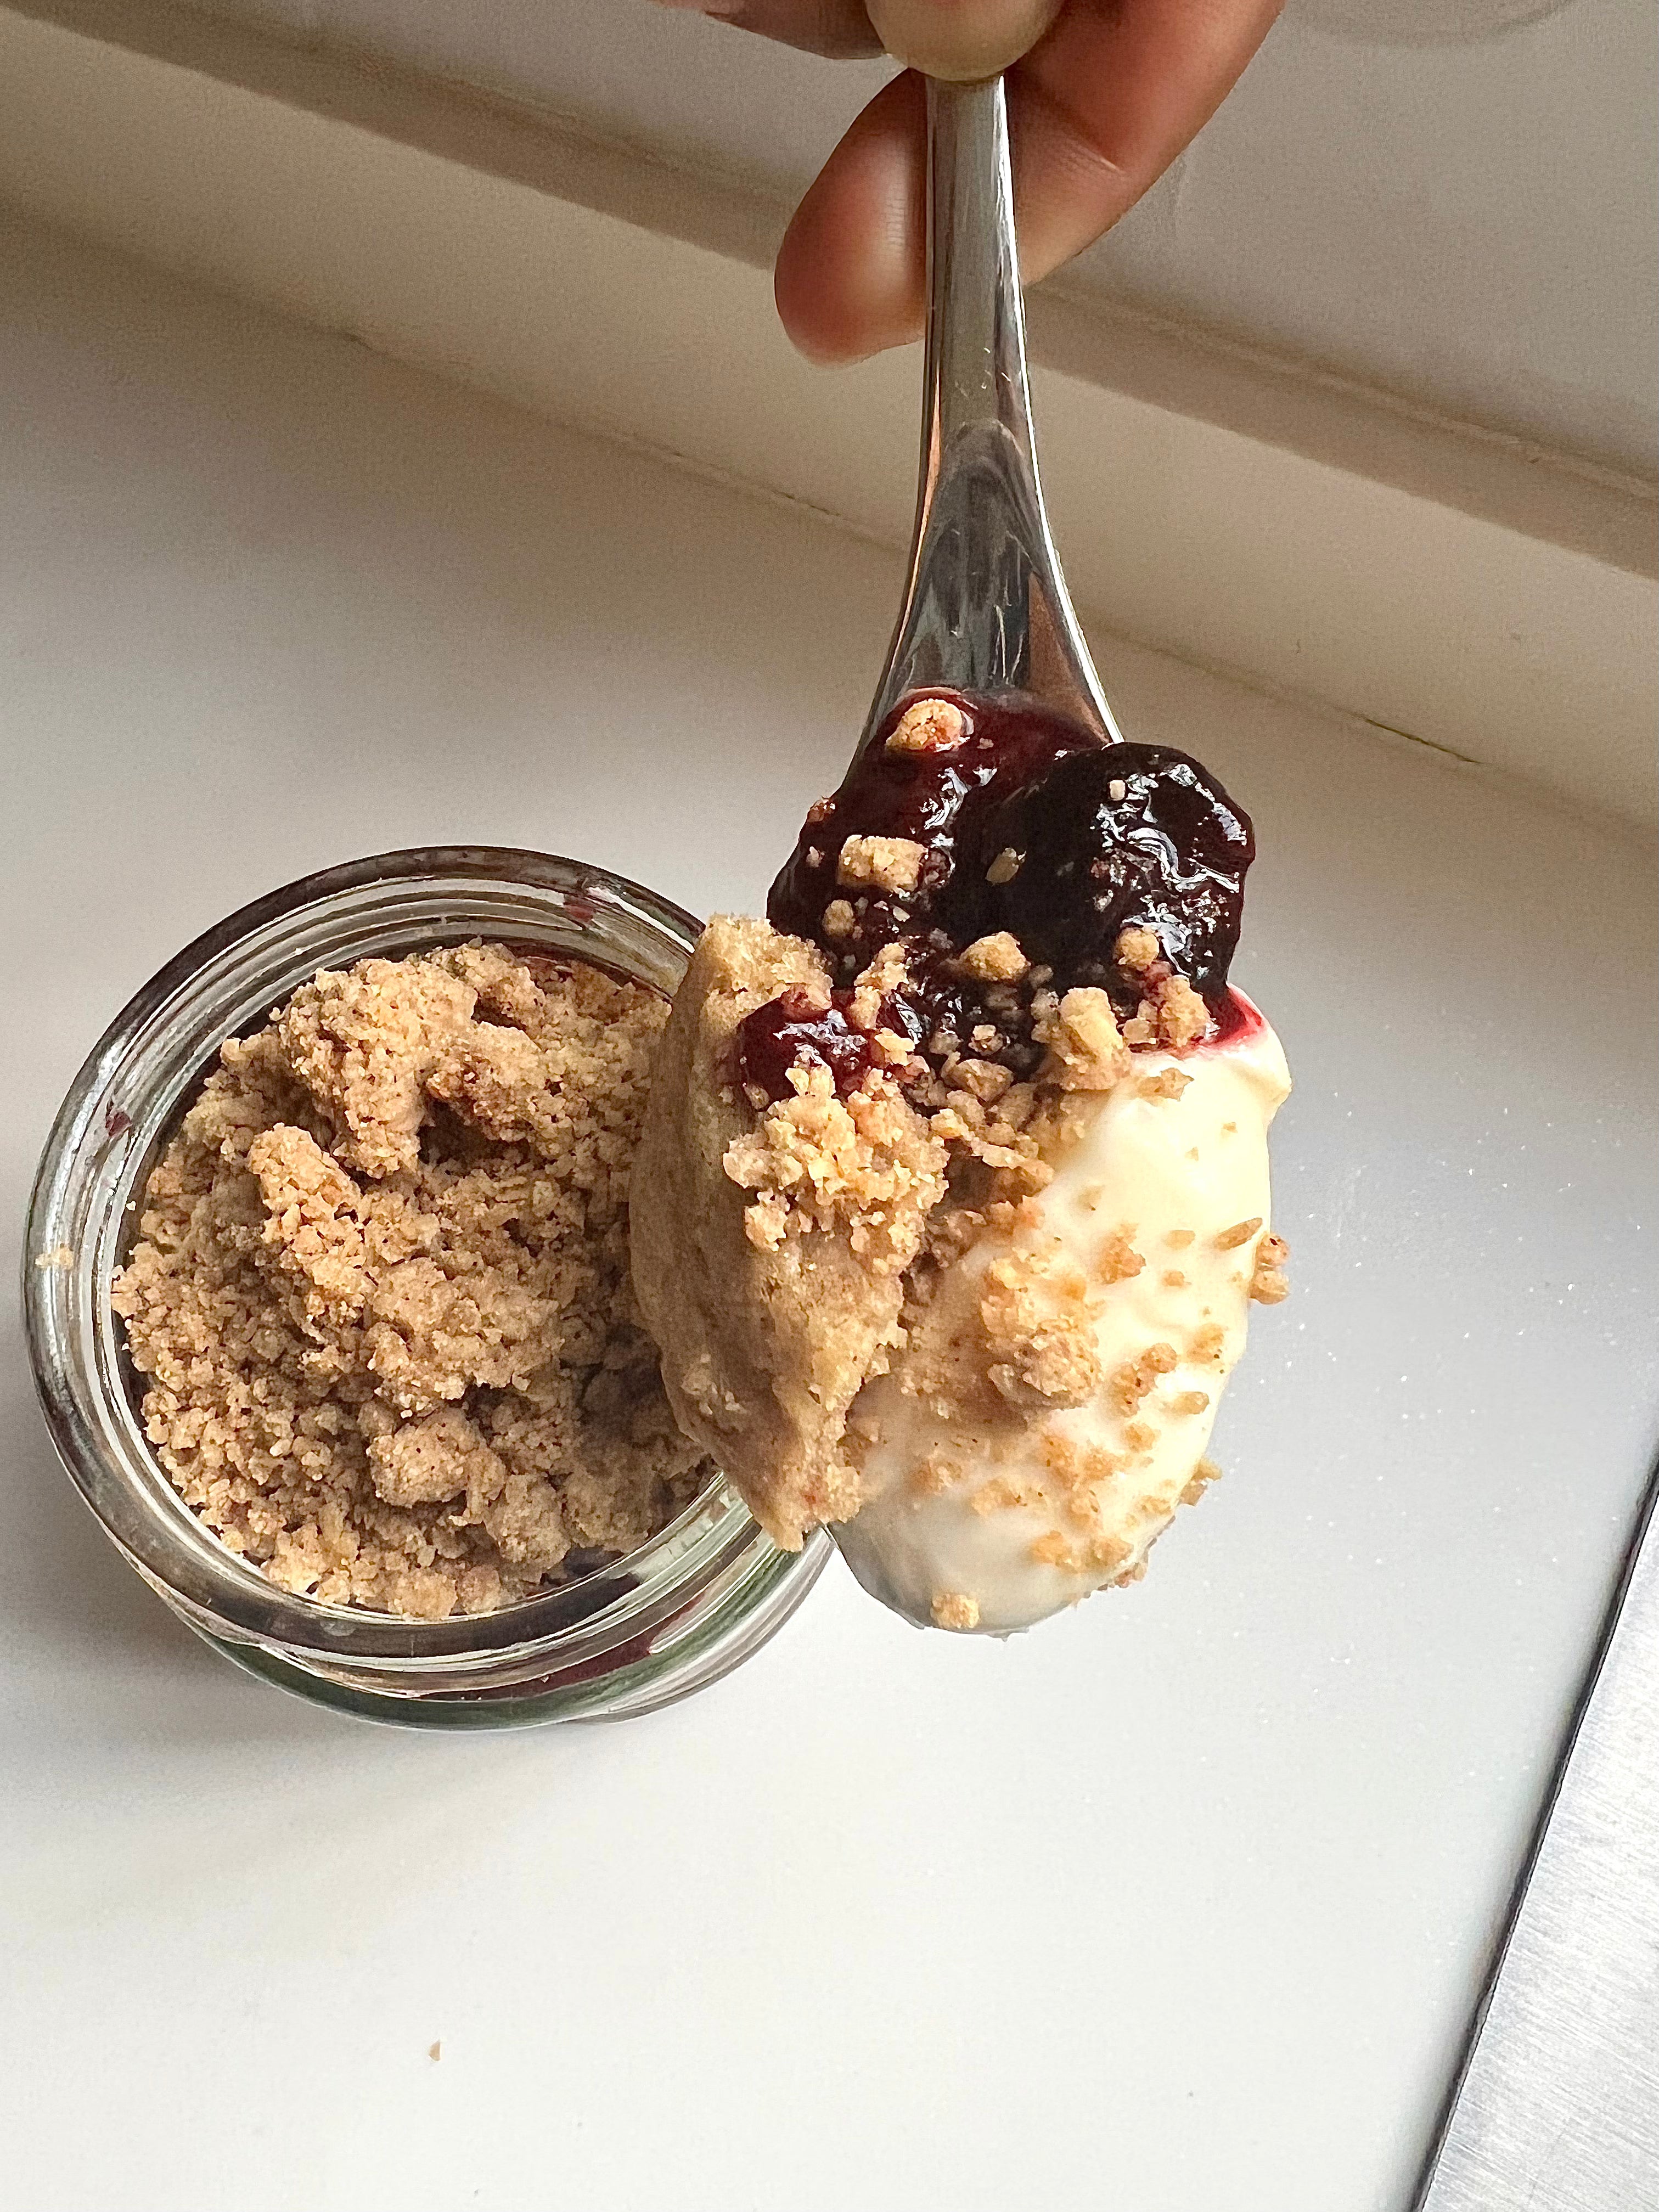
(1178, 1174)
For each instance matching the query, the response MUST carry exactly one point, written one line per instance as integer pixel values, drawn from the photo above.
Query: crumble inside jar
(381, 1298)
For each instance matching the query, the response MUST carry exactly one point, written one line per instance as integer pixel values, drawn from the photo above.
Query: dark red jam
(1028, 825)
(790, 1029)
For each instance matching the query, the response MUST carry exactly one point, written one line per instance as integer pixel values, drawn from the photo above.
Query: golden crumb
(951, 1609)
(1137, 950)
(1269, 1284)
(1005, 867)
(1209, 1343)
(928, 726)
(1080, 1469)
(933, 1476)
(1117, 1261)
(839, 919)
(379, 1297)
(1203, 1475)
(1229, 1240)
(995, 959)
(883, 864)
(1085, 1050)
(1178, 1239)
(1189, 1401)
(987, 1080)
(1040, 1328)
(1168, 1082)
(867, 1161)
(1137, 1377)
(1174, 1279)
(1053, 1549)
(1182, 1018)
(1108, 1553)
(886, 975)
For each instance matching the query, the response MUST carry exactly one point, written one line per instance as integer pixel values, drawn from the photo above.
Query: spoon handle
(986, 608)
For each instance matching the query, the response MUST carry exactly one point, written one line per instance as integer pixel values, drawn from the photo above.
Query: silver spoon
(986, 608)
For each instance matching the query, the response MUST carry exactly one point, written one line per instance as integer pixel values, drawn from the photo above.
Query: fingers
(839, 28)
(966, 41)
(850, 272)
(1105, 104)
(961, 39)
(1097, 110)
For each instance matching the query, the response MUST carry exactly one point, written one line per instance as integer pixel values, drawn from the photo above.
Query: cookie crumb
(995, 959)
(1137, 950)
(928, 726)
(1269, 1284)
(1229, 1240)
(1085, 1047)
(952, 1609)
(1203, 1475)
(1118, 1260)
(1168, 1082)
(883, 864)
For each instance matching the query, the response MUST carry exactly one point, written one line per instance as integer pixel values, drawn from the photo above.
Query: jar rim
(98, 1151)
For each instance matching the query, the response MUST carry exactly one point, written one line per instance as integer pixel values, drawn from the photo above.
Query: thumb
(962, 40)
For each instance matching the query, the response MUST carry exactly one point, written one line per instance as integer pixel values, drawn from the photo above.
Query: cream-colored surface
(1187, 1168)
(1446, 615)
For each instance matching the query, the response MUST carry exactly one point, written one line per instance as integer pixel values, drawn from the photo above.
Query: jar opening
(119, 1112)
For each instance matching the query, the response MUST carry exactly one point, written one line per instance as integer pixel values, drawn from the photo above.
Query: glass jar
(679, 1613)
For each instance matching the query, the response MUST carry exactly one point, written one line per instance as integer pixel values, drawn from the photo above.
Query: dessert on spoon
(952, 1193)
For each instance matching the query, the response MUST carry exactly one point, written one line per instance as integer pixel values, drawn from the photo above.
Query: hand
(1103, 94)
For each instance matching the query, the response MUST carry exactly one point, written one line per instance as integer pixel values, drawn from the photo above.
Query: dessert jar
(675, 1614)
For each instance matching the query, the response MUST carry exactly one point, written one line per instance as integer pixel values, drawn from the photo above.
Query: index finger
(1097, 110)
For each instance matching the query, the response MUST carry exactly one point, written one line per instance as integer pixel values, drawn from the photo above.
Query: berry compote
(1028, 825)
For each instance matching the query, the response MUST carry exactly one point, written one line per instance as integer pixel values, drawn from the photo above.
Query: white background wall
(1176, 1906)
(1456, 204)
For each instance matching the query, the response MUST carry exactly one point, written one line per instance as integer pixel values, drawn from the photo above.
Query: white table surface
(1177, 1905)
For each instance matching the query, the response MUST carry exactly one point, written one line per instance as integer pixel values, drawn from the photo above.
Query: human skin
(1103, 96)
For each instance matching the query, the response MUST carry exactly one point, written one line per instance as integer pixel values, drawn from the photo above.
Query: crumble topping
(1087, 1050)
(1118, 1261)
(1229, 1240)
(867, 1161)
(885, 864)
(1203, 1475)
(1269, 1284)
(928, 726)
(379, 1297)
(951, 1609)
(995, 959)
(1039, 1324)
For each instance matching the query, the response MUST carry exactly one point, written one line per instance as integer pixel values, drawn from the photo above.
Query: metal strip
(1556, 2108)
